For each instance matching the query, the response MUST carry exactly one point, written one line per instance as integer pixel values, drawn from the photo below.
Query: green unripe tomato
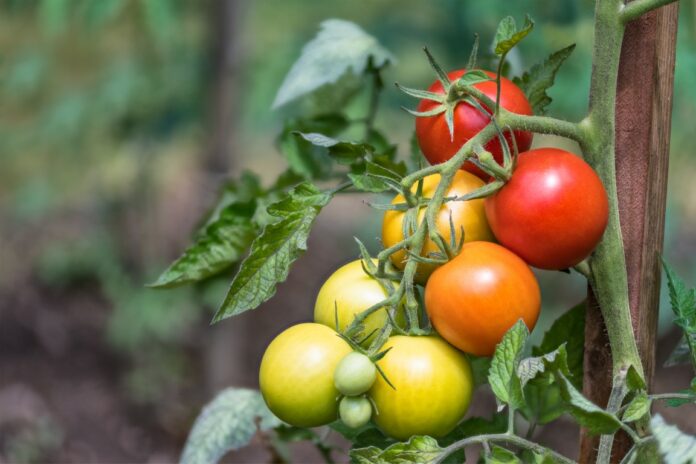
(355, 411)
(355, 374)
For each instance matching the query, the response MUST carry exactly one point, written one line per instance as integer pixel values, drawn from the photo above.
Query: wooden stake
(643, 123)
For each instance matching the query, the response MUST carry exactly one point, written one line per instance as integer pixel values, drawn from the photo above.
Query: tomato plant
(439, 144)
(457, 216)
(431, 387)
(439, 297)
(296, 374)
(552, 212)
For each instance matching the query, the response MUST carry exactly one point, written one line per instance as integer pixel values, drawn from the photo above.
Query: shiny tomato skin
(552, 212)
(296, 374)
(469, 215)
(477, 296)
(432, 390)
(433, 134)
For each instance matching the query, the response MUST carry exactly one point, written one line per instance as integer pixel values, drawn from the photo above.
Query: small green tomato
(355, 374)
(355, 411)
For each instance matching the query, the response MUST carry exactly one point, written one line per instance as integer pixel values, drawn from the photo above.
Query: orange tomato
(476, 297)
(469, 215)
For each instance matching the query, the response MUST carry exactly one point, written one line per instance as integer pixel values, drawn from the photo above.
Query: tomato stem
(501, 438)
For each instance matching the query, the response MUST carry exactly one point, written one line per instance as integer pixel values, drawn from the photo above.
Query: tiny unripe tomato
(355, 411)
(477, 296)
(355, 374)
(432, 387)
(434, 137)
(552, 212)
(349, 291)
(296, 374)
(467, 215)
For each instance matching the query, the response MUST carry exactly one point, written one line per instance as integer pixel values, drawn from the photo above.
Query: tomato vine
(372, 167)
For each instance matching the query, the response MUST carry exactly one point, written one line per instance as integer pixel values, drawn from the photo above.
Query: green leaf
(502, 375)
(418, 450)
(637, 408)
(343, 152)
(500, 455)
(507, 35)
(540, 78)
(220, 244)
(635, 381)
(675, 446)
(274, 251)
(683, 301)
(543, 403)
(379, 178)
(530, 368)
(341, 46)
(595, 419)
(475, 76)
(227, 423)
(569, 329)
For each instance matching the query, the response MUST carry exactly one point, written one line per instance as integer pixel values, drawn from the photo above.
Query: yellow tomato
(297, 374)
(349, 291)
(469, 215)
(432, 390)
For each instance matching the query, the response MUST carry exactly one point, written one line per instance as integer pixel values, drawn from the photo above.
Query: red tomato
(433, 134)
(552, 212)
(477, 296)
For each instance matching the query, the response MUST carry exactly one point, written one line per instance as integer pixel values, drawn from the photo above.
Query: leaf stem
(502, 438)
(618, 393)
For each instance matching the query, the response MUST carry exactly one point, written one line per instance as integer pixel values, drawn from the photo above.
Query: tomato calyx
(455, 92)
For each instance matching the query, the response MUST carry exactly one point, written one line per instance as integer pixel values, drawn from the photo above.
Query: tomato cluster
(550, 213)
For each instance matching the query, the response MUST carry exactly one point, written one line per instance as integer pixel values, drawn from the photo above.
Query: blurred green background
(118, 121)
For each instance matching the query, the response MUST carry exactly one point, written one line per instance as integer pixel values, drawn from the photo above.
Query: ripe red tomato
(433, 134)
(477, 296)
(552, 212)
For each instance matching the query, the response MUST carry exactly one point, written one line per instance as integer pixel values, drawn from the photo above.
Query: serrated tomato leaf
(595, 419)
(683, 302)
(339, 47)
(418, 450)
(530, 368)
(507, 35)
(225, 424)
(535, 82)
(502, 375)
(274, 251)
(342, 151)
(221, 243)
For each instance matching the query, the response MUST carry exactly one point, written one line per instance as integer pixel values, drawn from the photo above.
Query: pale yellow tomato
(297, 374)
(432, 390)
